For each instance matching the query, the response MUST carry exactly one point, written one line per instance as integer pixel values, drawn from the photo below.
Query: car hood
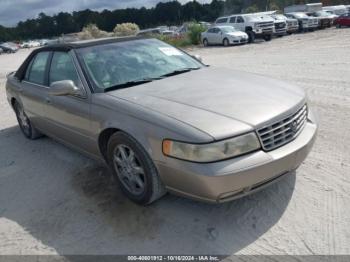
(236, 34)
(218, 101)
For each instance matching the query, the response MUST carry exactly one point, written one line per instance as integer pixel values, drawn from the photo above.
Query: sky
(13, 11)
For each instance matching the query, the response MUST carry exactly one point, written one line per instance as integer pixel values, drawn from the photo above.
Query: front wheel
(251, 37)
(28, 130)
(134, 169)
(226, 42)
(267, 37)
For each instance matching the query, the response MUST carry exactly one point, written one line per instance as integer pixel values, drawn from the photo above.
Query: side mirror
(197, 57)
(64, 88)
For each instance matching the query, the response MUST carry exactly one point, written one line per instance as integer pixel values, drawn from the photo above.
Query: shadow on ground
(69, 203)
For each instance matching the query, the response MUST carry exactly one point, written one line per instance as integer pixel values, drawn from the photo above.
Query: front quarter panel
(148, 127)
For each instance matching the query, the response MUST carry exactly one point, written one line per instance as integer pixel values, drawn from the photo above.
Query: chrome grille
(265, 24)
(280, 25)
(283, 131)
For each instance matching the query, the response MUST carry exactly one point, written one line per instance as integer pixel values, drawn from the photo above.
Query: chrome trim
(282, 131)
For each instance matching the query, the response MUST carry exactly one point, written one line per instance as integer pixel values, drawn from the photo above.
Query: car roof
(221, 26)
(88, 43)
(72, 45)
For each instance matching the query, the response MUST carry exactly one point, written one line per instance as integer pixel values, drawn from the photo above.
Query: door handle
(47, 100)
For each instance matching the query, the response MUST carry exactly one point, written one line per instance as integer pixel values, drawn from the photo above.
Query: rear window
(221, 20)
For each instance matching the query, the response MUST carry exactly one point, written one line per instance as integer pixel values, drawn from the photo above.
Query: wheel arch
(105, 135)
(103, 139)
(13, 101)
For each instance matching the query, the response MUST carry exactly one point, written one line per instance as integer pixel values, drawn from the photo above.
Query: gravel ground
(56, 201)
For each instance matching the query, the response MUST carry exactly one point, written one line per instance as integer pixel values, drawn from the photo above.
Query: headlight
(214, 151)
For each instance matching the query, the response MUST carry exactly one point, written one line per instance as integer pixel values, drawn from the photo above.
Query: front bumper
(292, 28)
(230, 179)
(263, 31)
(278, 32)
(237, 41)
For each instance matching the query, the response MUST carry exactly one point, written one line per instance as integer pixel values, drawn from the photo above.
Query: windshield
(322, 13)
(301, 15)
(279, 17)
(110, 66)
(228, 29)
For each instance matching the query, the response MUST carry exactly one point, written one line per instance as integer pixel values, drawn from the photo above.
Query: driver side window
(62, 68)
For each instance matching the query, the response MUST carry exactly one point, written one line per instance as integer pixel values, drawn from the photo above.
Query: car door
(69, 115)
(232, 21)
(211, 35)
(240, 24)
(33, 89)
(217, 36)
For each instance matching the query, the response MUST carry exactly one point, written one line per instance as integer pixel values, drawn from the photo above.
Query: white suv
(254, 25)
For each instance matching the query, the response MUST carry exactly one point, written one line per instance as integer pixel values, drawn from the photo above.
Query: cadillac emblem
(294, 126)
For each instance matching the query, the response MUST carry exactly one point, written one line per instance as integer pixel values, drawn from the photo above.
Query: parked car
(336, 9)
(147, 109)
(34, 43)
(255, 25)
(9, 47)
(305, 8)
(156, 31)
(280, 25)
(43, 42)
(223, 35)
(292, 24)
(343, 20)
(24, 45)
(325, 19)
(306, 23)
(205, 24)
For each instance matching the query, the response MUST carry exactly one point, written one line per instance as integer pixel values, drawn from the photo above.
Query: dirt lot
(55, 201)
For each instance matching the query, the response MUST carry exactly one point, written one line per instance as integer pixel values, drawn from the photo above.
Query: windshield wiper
(180, 71)
(129, 84)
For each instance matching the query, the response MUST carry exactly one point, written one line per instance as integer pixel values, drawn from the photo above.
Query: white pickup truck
(255, 25)
(306, 23)
(292, 24)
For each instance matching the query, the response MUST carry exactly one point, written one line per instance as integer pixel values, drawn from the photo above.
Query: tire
(205, 42)
(137, 175)
(251, 36)
(28, 130)
(225, 42)
(267, 37)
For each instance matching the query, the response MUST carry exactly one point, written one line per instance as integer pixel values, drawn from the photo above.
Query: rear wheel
(134, 169)
(28, 130)
(226, 42)
(205, 42)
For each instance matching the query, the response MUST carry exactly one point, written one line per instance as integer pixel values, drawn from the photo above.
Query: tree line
(164, 13)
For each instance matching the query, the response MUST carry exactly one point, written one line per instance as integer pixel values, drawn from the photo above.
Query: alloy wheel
(23, 120)
(129, 169)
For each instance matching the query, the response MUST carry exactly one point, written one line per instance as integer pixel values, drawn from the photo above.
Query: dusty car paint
(201, 106)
